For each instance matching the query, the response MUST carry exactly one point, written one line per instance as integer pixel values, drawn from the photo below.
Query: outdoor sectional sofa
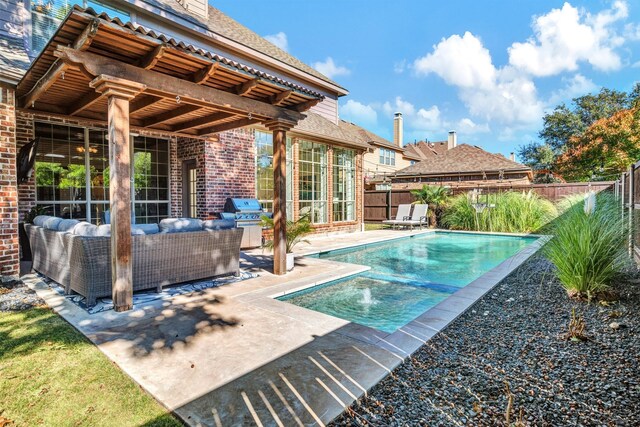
(77, 255)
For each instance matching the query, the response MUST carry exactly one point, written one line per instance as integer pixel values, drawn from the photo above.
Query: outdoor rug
(143, 297)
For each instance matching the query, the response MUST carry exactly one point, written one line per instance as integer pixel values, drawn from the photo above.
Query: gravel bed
(15, 296)
(515, 336)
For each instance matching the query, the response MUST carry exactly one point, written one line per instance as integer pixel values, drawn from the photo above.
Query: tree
(565, 123)
(435, 196)
(607, 148)
(540, 158)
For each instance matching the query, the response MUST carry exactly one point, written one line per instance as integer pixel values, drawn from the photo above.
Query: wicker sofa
(82, 263)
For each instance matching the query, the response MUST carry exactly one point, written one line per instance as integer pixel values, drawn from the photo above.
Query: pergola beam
(143, 102)
(246, 87)
(304, 106)
(279, 98)
(227, 126)
(201, 76)
(200, 121)
(81, 43)
(170, 87)
(85, 102)
(170, 115)
(153, 57)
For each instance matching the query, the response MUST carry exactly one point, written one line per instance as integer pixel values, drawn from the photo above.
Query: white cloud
(488, 92)
(359, 113)
(330, 69)
(423, 119)
(467, 126)
(565, 37)
(459, 61)
(279, 39)
(575, 86)
(399, 67)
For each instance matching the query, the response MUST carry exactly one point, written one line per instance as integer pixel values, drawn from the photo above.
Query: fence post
(631, 207)
(389, 204)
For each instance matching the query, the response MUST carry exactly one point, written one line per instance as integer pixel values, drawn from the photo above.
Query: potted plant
(295, 231)
(25, 247)
(435, 196)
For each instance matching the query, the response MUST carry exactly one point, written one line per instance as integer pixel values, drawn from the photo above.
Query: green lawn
(50, 374)
(371, 226)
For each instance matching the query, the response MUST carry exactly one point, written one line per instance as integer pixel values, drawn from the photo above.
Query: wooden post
(279, 130)
(119, 92)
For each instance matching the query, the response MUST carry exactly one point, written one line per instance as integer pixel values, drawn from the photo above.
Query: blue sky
(487, 69)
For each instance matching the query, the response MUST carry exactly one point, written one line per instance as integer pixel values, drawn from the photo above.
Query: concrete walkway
(236, 356)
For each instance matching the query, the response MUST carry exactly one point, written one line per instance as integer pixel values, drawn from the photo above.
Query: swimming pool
(407, 276)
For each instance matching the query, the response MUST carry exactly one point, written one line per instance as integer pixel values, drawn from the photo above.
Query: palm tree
(435, 196)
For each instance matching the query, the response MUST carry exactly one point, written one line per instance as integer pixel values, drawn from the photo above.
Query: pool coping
(410, 337)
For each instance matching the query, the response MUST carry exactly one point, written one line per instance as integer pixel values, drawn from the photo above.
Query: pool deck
(234, 355)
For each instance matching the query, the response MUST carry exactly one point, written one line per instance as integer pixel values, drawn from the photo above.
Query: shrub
(294, 232)
(435, 196)
(588, 249)
(513, 212)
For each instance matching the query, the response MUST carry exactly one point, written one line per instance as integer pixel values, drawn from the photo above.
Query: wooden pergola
(125, 76)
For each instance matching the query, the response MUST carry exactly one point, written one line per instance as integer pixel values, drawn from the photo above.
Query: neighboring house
(205, 99)
(460, 165)
(384, 157)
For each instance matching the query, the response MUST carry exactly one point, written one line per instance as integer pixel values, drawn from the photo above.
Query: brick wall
(225, 166)
(9, 246)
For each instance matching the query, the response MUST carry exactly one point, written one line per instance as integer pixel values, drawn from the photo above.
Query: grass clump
(511, 212)
(50, 374)
(588, 248)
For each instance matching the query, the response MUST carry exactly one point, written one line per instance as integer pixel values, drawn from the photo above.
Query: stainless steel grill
(246, 213)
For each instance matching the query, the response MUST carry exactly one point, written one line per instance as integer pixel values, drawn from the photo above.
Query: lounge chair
(403, 214)
(418, 217)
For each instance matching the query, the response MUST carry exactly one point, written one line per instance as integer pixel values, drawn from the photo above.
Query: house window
(387, 157)
(47, 15)
(70, 157)
(313, 181)
(264, 172)
(344, 185)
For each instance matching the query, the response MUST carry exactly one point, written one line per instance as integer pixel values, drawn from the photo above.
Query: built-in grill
(246, 213)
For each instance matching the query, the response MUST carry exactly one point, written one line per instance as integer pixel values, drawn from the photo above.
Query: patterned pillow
(85, 229)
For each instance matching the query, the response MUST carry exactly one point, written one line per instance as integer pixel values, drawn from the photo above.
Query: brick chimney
(452, 140)
(397, 129)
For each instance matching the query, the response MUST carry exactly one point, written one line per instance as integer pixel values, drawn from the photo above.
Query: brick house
(207, 108)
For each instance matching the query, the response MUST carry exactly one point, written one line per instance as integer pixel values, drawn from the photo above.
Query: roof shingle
(462, 158)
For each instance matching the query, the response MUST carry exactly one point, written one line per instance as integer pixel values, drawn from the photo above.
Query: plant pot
(290, 262)
(25, 247)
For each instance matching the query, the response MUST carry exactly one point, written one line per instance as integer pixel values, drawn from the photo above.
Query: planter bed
(514, 336)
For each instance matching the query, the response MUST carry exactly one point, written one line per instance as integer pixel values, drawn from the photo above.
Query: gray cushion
(67, 225)
(40, 220)
(218, 224)
(146, 228)
(177, 225)
(52, 223)
(85, 229)
(103, 230)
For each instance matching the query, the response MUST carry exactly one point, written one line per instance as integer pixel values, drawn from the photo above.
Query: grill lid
(242, 205)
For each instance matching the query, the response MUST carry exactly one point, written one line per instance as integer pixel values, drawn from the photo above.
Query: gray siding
(328, 109)
(13, 15)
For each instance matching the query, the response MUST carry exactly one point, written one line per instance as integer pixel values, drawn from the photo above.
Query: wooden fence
(380, 204)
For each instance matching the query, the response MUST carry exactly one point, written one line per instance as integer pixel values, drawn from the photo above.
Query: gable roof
(371, 138)
(222, 24)
(462, 158)
(315, 125)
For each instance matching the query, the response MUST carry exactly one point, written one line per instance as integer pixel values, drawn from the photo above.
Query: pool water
(407, 277)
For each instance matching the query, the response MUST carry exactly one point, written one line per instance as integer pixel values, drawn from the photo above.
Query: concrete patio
(234, 355)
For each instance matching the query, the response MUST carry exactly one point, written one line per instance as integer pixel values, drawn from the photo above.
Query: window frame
(348, 180)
